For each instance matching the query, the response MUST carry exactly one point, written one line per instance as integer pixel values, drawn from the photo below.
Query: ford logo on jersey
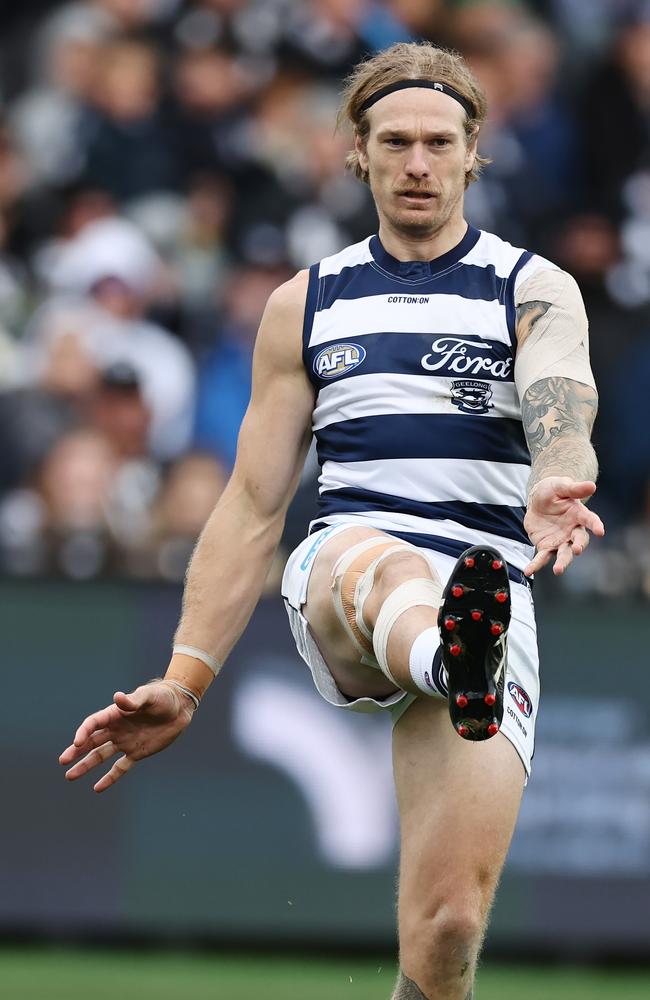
(338, 360)
(521, 699)
(464, 356)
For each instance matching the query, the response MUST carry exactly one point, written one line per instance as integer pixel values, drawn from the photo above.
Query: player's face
(416, 156)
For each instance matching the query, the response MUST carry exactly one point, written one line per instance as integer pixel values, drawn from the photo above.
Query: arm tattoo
(558, 415)
(527, 315)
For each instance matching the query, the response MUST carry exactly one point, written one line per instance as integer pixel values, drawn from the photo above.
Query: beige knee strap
(412, 594)
(353, 577)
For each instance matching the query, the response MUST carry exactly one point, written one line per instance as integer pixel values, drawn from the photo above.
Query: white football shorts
(521, 693)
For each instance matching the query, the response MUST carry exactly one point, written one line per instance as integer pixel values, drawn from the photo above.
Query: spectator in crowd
(133, 15)
(119, 412)
(329, 36)
(225, 376)
(531, 134)
(104, 280)
(250, 28)
(189, 493)
(303, 206)
(620, 88)
(47, 120)
(184, 503)
(129, 125)
(14, 300)
(74, 488)
(212, 90)
(420, 18)
(78, 207)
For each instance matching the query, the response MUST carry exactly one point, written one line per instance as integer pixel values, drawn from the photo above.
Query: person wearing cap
(445, 376)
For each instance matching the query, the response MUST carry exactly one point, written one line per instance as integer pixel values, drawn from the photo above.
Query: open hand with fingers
(558, 523)
(136, 725)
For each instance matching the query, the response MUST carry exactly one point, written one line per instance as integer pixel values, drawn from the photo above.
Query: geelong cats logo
(471, 396)
(338, 359)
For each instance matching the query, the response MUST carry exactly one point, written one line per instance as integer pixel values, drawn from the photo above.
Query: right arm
(235, 550)
(233, 554)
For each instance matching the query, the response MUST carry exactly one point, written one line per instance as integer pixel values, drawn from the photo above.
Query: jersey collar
(411, 270)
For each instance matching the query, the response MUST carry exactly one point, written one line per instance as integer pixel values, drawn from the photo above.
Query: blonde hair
(410, 61)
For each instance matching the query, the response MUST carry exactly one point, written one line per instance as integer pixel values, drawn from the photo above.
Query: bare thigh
(352, 677)
(458, 804)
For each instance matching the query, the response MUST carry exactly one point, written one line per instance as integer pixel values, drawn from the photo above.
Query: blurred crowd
(164, 164)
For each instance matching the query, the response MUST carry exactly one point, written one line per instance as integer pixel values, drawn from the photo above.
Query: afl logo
(521, 699)
(338, 360)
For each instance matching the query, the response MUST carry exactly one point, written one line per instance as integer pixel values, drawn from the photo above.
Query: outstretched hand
(136, 725)
(558, 523)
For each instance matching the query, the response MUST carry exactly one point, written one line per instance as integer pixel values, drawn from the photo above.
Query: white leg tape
(362, 588)
(345, 560)
(412, 594)
(365, 585)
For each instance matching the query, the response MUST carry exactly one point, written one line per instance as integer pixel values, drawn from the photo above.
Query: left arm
(559, 404)
(558, 416)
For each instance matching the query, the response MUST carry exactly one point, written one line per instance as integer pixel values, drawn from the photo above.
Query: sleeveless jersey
(417, 419)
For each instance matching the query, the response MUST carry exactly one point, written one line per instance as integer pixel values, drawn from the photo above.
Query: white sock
(425, 667)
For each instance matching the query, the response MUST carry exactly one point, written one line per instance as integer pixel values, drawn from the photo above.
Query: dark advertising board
(273, 818)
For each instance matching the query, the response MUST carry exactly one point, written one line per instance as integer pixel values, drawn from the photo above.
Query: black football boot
(473, 620)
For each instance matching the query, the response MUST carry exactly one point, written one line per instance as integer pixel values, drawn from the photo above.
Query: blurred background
(164, 164)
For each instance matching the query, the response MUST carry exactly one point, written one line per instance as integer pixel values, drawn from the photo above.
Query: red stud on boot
(476, 615)
(496, 628)
(496, 564)
(462, 730)
(501, 596)
(461, 701)
(450, 624)
(492, 729)
(490, 699)
(455, 650)
(470, 562)
(458, 590)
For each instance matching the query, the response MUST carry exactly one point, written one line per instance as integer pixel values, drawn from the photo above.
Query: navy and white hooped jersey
(417, 418)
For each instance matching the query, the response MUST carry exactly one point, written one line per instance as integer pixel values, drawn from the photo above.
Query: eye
(395, 142)
(440, 142)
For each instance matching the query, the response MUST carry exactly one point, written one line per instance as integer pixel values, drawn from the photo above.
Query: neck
(427, 246)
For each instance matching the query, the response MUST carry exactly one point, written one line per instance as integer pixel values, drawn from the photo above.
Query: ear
(360, 148)
(470, 155)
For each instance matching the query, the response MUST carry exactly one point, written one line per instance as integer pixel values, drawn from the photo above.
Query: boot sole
(473, 620)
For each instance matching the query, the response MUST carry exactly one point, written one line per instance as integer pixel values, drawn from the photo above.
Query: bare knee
(454, 930)
(439, 951)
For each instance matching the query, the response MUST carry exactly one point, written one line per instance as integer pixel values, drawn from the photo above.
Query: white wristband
(199, 654)
(186, 691)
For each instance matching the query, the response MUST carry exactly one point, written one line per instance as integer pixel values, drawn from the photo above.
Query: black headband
(429, 84)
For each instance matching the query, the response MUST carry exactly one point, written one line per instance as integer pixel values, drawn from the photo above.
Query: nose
(416, 163)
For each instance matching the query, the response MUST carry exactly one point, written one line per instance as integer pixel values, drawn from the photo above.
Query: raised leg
(397, 568)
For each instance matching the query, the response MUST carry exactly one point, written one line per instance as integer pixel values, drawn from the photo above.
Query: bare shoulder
(279, 339)
(288, 299)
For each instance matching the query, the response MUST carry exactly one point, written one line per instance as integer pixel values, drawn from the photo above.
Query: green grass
(49, 974)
